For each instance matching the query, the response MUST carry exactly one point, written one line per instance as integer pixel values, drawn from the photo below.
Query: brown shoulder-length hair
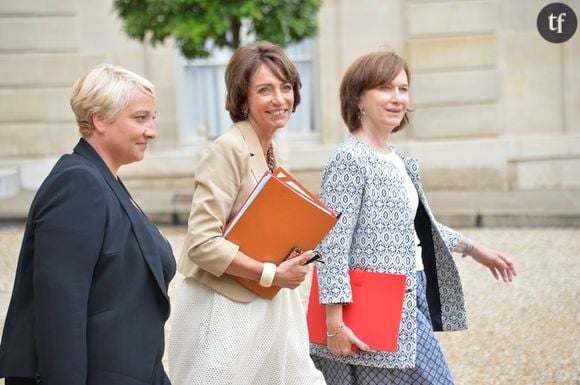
(365, 73)
(244, 63)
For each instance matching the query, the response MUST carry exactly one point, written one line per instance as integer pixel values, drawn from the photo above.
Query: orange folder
(374, 314)
(279, 215)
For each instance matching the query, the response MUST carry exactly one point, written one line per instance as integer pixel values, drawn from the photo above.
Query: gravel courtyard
(523, 333)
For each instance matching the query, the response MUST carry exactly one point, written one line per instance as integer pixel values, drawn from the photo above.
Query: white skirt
(214, 340)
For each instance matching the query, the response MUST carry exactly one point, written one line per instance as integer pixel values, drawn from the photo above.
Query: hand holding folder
(374, 315)
(279, 215)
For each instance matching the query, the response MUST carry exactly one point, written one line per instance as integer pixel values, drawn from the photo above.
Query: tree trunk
(236, 27)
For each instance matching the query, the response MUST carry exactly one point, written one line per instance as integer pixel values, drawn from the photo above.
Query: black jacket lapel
(148, 248)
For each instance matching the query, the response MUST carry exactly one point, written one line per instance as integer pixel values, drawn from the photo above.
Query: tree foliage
(199, 25)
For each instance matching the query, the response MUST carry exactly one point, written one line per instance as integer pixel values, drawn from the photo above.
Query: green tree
(199, 25)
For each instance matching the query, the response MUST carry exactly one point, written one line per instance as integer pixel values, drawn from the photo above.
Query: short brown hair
(244, 63)
(365, 73)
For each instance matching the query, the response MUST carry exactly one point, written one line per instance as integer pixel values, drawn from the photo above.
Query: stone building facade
(496, 107)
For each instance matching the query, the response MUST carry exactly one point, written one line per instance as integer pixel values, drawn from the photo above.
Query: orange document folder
(374, 314)
(279, 215)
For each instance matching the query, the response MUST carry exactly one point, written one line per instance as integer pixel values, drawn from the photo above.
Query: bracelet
(338, 329)
(268, 273)
(468, 247)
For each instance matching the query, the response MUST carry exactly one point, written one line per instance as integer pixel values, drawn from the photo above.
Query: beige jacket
(224, 177)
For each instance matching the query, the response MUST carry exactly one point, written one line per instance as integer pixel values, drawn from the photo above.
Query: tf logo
(557, 23)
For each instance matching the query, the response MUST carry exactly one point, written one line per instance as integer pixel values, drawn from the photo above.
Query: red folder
(374, 314)
(278, 216)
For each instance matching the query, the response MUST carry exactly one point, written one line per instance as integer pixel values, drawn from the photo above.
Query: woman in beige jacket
(223, 333)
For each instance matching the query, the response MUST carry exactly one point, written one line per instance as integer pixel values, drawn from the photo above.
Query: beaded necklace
(270, 159)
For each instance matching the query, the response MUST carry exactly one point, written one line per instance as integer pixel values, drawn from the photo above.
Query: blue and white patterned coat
(376, 233)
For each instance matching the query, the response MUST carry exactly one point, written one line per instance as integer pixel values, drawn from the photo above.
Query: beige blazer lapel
(257, 160)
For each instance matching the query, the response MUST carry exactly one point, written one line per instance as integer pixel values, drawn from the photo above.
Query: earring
(361, 114)
(245, 113)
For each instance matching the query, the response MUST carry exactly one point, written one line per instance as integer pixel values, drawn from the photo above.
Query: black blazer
(90, 300)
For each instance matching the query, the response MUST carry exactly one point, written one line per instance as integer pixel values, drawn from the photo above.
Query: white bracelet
(268, 273)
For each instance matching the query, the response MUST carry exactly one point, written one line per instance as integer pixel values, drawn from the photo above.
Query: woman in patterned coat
(387, 226)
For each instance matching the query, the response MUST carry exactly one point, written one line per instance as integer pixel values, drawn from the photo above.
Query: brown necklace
(270, 159)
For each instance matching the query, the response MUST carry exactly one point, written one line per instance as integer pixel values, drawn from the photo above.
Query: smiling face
(123, 139)
(385, 106)
(270, 101)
